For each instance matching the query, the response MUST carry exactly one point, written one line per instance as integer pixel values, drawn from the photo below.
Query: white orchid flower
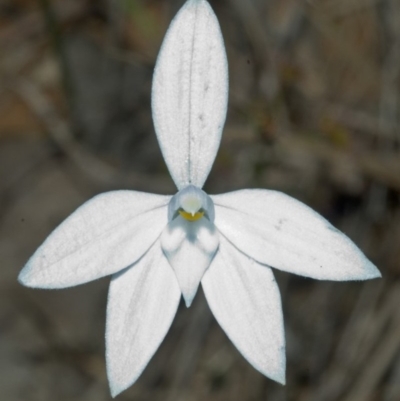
(160, 247)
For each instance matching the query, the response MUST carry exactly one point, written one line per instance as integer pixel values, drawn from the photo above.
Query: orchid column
(159, 248)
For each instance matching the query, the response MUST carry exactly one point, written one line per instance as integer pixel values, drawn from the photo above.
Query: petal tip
(188, 300)
(280, 374)
(188, 295)
(195, 3)
(116, 383)
(24, 277)
(31, 278)
(371, 271)
(116, 389)
(375, 273)
(21, 278)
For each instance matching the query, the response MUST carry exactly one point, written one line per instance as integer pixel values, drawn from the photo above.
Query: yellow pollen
(190, 217)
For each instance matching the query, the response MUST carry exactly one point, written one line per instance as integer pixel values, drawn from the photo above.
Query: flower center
(192, 204)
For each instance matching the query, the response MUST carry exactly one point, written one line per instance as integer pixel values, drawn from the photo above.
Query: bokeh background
(313, 111)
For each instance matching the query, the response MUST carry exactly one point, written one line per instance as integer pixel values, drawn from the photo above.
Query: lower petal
(142, 303)
(245, 300)
(190, 247)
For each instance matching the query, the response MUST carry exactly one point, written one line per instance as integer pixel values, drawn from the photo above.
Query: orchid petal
(281, 232)
(142, 303)
(105, 235)
(245, 300)
(190, 247)
(190, 93)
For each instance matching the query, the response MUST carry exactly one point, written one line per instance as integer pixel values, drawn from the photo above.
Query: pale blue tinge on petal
(190, 93)
(104, 235)
(189, 247)
(283, 233)
(245, 300)
(142, 303)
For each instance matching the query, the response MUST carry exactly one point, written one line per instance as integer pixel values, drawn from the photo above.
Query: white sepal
(104, 235)
(283, 233)
(190, 93)
(245, 300)
(142, 303)
(190, 247)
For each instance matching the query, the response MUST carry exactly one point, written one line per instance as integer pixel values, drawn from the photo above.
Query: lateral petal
(189, 247)
(245, 300)
(142, 303)
(283, 233)
(190, 93)
(104, 235)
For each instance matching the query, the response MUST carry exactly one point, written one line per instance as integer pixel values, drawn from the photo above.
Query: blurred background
(313, 111)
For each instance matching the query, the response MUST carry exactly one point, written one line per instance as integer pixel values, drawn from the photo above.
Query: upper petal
(142, 303)
(245, 300)
(104, 235)
(277, 230)
(190, 247)
(190, 93)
